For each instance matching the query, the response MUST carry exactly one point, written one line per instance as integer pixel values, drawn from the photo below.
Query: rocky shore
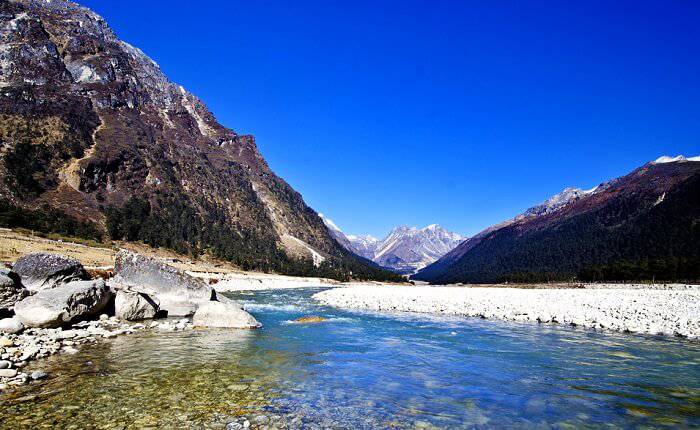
(650, 310)
(17, 350)
(50, 304)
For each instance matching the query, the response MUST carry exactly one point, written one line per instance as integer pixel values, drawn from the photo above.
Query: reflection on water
(367, 370)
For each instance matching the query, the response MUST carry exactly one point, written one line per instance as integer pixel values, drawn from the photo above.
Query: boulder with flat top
(42, 270)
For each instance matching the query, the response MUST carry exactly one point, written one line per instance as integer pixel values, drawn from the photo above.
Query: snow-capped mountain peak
(678, 158)
(405, 249)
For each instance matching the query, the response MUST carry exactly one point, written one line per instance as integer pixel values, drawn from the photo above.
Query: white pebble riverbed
(652, 310)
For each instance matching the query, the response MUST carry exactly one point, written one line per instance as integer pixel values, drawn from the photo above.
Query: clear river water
(362, 370)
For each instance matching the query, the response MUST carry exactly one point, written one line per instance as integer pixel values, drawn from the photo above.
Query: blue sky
(420, 112)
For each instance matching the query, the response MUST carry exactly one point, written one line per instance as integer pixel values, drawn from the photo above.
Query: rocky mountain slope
(404, 250)
(645, 225)
(95, 139)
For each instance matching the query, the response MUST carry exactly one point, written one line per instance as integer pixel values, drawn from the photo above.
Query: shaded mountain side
(94, 135)
(645, 225)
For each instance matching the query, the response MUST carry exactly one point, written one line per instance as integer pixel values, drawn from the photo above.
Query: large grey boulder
(228, 314)
(11, 291)
(134, 306)
(63, 304)
(178, 293)
(41, 270)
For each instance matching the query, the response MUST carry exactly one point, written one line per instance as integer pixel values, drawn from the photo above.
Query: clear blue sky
(452, 112)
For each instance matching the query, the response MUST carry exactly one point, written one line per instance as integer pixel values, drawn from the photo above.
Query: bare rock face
(133, 306)
(228, 314)
(177, 292)
(11, 291)
(63, 304)
(41, 270)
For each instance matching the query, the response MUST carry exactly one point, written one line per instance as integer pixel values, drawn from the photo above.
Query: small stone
(5, 342)
(29, 352)
(11, 325)
(66, 334)
(8, 373)
(104, 317)
(5, 364)
(38, 374)
(69, 350)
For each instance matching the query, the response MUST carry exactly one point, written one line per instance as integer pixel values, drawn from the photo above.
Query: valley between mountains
(155, 272)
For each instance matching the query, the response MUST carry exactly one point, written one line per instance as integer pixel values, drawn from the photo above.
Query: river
(366, 370)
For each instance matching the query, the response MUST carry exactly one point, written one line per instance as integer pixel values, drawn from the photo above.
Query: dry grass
(14, 244)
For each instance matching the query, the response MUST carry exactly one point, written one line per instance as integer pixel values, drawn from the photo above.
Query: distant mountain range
(404, 250)
(645, 225)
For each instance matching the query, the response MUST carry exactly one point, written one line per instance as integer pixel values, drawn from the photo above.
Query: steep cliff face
(90, 127)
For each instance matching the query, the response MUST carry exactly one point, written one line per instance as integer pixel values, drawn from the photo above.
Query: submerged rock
(227, 314)
(309, 320)
(64, 304)
(41, 270)
(38, 374)
(133, 306)
(178, 293)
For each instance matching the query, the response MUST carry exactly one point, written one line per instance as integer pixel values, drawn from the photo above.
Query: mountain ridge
(119, 149)
(591, 234)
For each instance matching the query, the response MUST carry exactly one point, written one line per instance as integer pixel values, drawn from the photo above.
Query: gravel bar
(672, 312)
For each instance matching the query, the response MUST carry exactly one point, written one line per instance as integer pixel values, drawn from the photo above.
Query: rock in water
(178, 293)
(133, 306)
(11, 291)
(11, 325)
(41, 270)
(309, 320)
(227, 314)
(38, 374)
(63, 304)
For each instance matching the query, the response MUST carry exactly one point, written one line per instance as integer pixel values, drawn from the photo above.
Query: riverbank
(15, 244)
(255, 281)
(637, 309)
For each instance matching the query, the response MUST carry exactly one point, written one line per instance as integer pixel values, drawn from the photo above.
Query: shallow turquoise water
(368, 370)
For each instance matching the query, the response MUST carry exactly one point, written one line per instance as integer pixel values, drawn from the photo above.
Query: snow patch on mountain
(678, 158)
(557, 202)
